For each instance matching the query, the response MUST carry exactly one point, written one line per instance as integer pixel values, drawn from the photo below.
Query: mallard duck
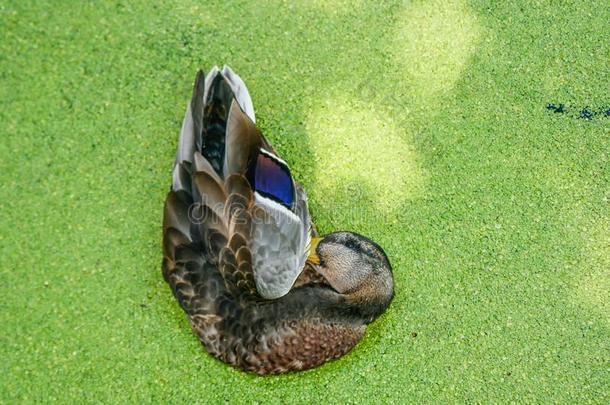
(262, 291)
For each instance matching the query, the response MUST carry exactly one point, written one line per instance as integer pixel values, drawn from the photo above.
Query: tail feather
(205, 121)
(218, 98)
(241, 91)
(190, 135)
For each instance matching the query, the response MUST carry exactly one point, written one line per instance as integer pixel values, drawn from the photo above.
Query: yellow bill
(313, 257)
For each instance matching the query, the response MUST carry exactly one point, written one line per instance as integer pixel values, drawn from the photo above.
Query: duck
(261, 289)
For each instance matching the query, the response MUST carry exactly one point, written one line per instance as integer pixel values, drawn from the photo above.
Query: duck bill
(313, 257)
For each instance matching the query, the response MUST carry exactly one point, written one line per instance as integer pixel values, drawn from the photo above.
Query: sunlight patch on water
(433, 42)
(362, 156)
(331, 7)
(593, 289)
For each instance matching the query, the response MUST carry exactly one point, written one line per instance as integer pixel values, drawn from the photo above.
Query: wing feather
(257, 245)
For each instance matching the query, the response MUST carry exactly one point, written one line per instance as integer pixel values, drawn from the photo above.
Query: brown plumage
(209, 231)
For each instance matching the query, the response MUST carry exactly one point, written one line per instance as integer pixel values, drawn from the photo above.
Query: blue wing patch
(271, 178)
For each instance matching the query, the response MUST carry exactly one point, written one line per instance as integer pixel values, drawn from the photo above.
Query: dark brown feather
(209, 192)
(242, 143)
(175, 214)
(237, 242)
(238, 184)
(202, 165)
(173, 239)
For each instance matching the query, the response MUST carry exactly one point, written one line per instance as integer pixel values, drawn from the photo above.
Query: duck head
(357, 268)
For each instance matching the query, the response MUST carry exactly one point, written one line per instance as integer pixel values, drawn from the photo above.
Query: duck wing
(280, 232)
(233, 196)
